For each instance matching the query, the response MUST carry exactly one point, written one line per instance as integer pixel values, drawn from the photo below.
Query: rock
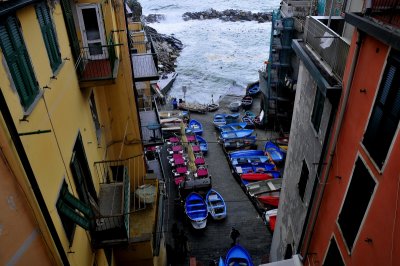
(136, 8)
(228, 15)
(153, 18)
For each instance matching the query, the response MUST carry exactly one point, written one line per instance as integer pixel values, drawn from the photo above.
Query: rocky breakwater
(228, 15)
(167, 48)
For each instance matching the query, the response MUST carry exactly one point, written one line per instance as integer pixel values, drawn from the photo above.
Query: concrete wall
(304, 144)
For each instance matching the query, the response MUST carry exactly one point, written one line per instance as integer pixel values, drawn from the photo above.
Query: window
(81, 173)
(317, 109)
(16, 55)
(333, 257)
(288, 252)
(356, 202)
(49, 36)
(72, 211)
(70, 25)
(303, 180)
(93, 110)
(385, 113)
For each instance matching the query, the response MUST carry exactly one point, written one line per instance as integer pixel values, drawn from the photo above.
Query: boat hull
(236, 255)
(215, 205)
(196, 210)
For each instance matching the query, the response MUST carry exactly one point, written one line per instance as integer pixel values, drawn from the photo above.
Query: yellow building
(70, 131)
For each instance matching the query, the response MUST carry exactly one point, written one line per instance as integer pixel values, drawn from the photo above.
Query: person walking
(235, 236)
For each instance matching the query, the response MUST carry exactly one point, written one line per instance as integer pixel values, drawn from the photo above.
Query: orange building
(354, 217)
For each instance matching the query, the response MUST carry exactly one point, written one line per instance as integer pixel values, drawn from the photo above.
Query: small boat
(231, 118)
(269, 200)
(253, 88)
(146, 193)
(203, 144)
(196, 210)
(270, 218)
(241, 143)
(235, 106)
(247, 102)
(219, 120)
(232, 127)
(216, 205)
(212, 107)
(249, 114)
(245, 153)
(259, 187)
(237, 255)
(195, 127)
(249, 122)
(192, 107)
(242, 133)
(249, 159)
(274, 152)
(256, 176)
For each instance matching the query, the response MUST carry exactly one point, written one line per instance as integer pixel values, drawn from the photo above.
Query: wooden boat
(237, 255)
(251, 168)
(231, 118)
(212, 107)
(249, 159)
(250, 114)
(219, 120)
(241, 143)
(216, 205)
(232, 127)
(268, 200)
(274, 152)
(203, 144)
(270, 218)
(196, 210)
(247, 102)
(195, 127)
(146, 193)
(235, 106)
(242, 133)
(196, 108)
(245, 153)
(253, 88)
(259, 187)
(249, 122)
(256, 176)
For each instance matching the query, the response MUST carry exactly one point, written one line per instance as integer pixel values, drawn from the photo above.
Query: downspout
(31, 177)
(335, 139)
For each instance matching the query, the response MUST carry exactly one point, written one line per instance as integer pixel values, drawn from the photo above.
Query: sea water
(217, 55)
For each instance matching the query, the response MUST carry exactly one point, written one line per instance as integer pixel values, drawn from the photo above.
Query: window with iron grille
(386, 112)
(49, 36)
(355, 205)
(317, 109)
(18, 61)
(303, 180)
(333, 257)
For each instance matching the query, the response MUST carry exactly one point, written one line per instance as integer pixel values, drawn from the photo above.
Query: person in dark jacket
(234, 235)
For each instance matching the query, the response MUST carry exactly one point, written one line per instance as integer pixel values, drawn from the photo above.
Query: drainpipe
(31, 177)
(342, 110)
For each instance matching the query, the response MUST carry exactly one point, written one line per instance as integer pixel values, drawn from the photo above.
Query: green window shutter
(70, 24)
(18, 61)
(49, 36)
(73, 215)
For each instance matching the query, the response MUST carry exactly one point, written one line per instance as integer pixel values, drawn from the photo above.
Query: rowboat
(235, 106)
(247, 102)
(237, 255)
(272, 200)
(259, 187)
(203, 144)
(193, 107)
(270, 218)
(241, 143)
(196, 210)
(232, 127)
(249, 121)
(242, 133)
(216, 205)
(245, 153)
(195, 127)
(212, 107)
(219, 120)
(253, 88)
(274, 152)
(249, 159)
(231, 118)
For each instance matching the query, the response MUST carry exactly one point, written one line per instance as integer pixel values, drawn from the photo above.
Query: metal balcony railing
(329, 46)
(98, 62)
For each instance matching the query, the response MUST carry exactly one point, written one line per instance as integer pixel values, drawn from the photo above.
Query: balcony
(327, 44)
(299, 9)
(98, 64)
(111, 225)
(386, 11)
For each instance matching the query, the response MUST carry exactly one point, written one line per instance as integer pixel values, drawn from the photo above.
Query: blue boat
(203, 144)
(253, 88)
(274, 152)
(216, 205)
(231, 118)
(195, 127)
(219, 120)
(240, 143)
(237, 256)
(249, 121)
(196, 210)
(250, 114)
(242, 133)
(249, 159)
(244, 153)
(232, 127)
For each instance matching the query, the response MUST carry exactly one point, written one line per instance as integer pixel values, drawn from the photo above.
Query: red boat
(256, 176)
(269, 200)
